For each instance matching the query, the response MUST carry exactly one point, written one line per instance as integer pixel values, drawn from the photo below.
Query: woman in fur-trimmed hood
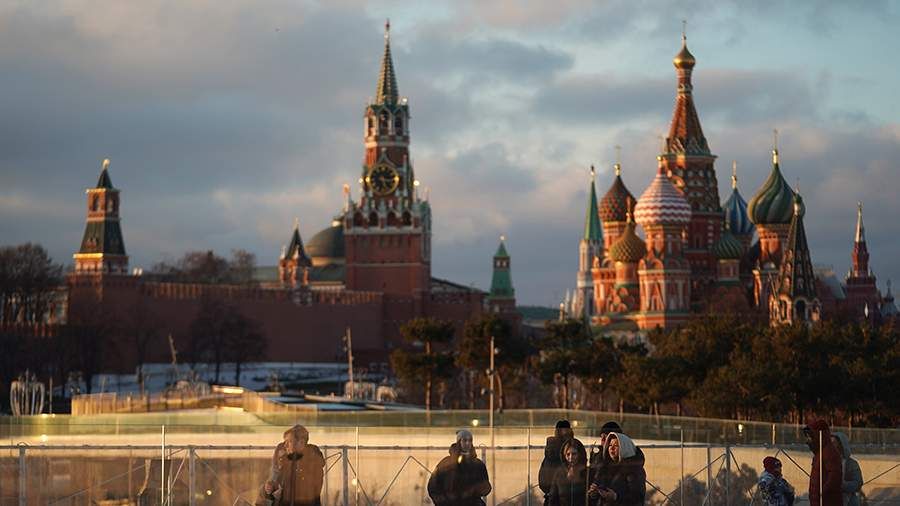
(621, 480)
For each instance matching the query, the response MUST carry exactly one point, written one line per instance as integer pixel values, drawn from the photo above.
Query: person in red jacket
(826, 478)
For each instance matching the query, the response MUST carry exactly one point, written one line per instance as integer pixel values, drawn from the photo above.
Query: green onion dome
(728, 246)
(774, 201)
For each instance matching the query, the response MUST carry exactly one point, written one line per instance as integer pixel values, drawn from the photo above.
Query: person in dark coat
(852, 475)
(596, 456)
(621, 479)
(773, 488)
(460, 479)
(829, 460)
(570, 481)
(296, 474)
(553, 456)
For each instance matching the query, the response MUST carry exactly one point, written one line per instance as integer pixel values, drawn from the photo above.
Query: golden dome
(684, 59)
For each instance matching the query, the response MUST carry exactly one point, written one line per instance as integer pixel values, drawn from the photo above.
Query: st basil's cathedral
(699, 255)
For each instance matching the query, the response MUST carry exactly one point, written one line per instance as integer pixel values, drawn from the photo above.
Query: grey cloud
(726, 95)
(481, 61)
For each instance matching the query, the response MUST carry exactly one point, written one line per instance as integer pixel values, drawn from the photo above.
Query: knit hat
(563, 424)
(769, 463)
(610, 427)
(463, 433)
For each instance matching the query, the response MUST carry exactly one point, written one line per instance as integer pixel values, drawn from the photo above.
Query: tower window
(383, 123)
(95, 203)
(373, 220)
(398, 125)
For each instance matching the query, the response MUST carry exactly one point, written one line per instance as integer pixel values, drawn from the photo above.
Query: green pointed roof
(592, 229)
(387, 93)
(501, 250)
(105, 181)
(501, 280)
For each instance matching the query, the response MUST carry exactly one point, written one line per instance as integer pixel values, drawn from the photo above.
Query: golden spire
(105, 163)
(593, 172)
(618, 165)
(684, 59)
(775, 147)
(734, 174)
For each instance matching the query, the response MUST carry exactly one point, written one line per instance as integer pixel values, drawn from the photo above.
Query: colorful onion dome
(615, 204)
(728, 246)
(684, 59)
(629, 248)
(662, 203)
(735, 209)
(774, 201)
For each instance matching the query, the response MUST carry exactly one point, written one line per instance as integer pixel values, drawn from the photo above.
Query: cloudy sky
(225, 119)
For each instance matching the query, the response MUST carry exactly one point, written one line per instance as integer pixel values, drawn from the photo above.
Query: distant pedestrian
(825, 478)
(773, 488)
(852, 474)
(460, 479)
(621, 479)
(553, 456)
(296, 474)
(570, 483)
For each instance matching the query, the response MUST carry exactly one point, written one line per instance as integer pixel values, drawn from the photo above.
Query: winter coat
(852, 474)
(298, 476)
(552, 462)
(566, 491)
(625, 475)
(832, 479)
(775, 490)
(459, 480)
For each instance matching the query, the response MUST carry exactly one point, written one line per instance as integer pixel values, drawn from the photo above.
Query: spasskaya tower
(387, 232)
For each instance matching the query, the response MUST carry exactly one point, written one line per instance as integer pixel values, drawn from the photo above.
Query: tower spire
(592, 230)
(734, 174)
(860, 228)
(775, 147)
(387, 93)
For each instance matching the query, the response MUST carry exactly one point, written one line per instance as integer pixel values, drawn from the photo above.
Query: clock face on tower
(382, 179)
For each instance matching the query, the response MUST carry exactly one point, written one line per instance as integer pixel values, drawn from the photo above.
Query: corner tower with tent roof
(102, 247)
(690, 165)
(502, 297)
(387, 234)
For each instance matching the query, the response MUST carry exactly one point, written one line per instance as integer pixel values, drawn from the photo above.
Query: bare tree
(28, 283)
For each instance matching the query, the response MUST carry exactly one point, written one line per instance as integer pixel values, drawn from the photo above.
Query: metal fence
(677, 474)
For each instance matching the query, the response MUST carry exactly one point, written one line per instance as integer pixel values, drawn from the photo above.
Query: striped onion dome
(728, 247)
(629, 248)
(736, 210)
(774, 201)
(614, 205)
(662, 203)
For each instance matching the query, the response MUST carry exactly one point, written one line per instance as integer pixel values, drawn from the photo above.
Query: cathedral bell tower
(690, 165)
(387, 232)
